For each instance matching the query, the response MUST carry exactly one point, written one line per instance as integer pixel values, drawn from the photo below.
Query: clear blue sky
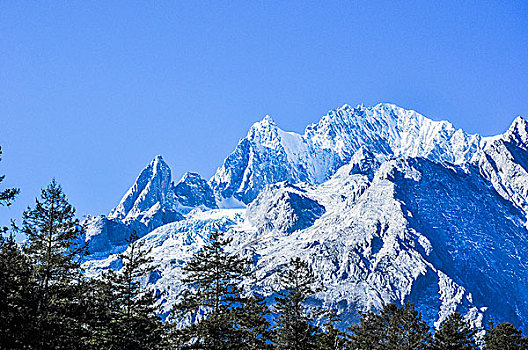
(90, 92)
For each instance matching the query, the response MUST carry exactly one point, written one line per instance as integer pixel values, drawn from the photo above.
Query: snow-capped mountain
(268, 154)
(385, 204)
(152, 201)
(149, 203)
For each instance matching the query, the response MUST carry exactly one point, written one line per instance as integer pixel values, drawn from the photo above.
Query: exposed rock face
(149, 203)
(283, 208)
(194, 191)
(504, 163)
(265, 156)
(385, 205)
(105, 236)
(268, 154)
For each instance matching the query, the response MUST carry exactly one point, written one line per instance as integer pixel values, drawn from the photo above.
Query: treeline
(46, 301)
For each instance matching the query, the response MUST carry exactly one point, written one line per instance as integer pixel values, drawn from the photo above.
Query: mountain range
(385, 205)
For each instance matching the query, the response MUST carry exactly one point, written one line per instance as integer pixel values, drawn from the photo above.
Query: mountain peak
(518, 123)
(263, 131)
(267, 120)
(265, 123)
(193, 191)
(386, 205)
(190, 176)
(151, 187)
(518, 131)
(158, 159)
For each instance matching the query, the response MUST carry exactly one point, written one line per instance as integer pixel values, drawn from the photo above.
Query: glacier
(385, 205)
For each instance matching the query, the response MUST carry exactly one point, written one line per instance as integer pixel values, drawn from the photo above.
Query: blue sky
(90, 92)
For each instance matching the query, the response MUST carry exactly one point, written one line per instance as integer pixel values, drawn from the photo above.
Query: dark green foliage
(221, 316)
(47, 303)
(17, 292)
(17, 286)
(253, 330)
(394, 328)
(504, 337)
(51, 230)
(454, 334)
(367, 334)
(330, 337)
(7, 196)
(101, 309)
(293, 325)
(125, 310)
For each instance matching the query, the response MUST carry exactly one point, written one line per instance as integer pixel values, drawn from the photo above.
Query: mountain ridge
(385, 204)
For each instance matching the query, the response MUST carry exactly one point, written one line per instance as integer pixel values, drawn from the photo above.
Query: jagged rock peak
(284, 208)
(518, 131)
(158, 162)
(264, 132)
(150, 187)
(361, 154)
(190, 176)
(266, 123)
(193, 191)
(267, 120)
(268, 154)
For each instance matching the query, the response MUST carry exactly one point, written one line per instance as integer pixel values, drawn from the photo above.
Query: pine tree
(407, 330)
(293, 325)
(17, 302)
(16, 286)
(53, 233)
(101, 315)
(330, 337)
(7, 196)
(220, 316)
(394, 328)
(454, 334)
(369, 333)
(253, 329)
(131, 314)
(504, 337)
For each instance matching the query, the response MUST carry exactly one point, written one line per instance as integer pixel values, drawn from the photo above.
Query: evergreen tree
(254, 330)
(407, 331)
(17, 302)
(454, 334)
(293, 325)
(130, 320)
(504, 337)
(394, 328)
(220, 316)
(7, 196)
(369, 333)
(16, 286)
(330, 337)
(52, 233)
(101, 315)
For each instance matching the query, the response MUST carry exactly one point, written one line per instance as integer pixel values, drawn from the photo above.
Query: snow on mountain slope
(504, 163)
(105, 236)
(288, 209)
(417, 231)
(152, 201)
(385, 204)
(194, 191)
(172, 245)
(149, 203)
(268, 155)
